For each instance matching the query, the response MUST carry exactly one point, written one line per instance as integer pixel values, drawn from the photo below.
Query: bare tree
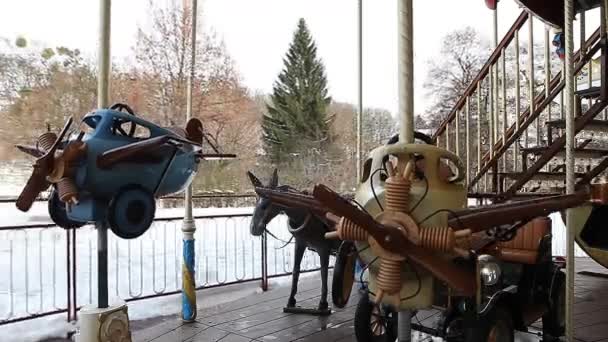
(462, 54)
(163, 54)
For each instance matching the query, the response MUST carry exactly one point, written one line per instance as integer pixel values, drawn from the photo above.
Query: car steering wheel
(429, 141)
(417, 135)
(116, 126)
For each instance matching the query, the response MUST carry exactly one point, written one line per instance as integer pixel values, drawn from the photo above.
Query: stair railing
(488, 94)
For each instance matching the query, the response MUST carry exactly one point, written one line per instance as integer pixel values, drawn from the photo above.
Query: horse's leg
(324, 256)
(297, 259)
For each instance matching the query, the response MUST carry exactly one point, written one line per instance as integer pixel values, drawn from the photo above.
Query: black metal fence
(48, 270)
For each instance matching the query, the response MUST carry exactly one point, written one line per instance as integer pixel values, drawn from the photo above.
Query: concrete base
(104, 325)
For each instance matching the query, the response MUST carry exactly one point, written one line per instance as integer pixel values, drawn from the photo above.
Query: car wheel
(374, 323)
(494, 326)
(452, 327)
(59, 214)
(344, 274)
(554, 323)
(131, 211)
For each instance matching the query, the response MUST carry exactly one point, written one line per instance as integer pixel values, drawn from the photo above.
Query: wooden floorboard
(252, 319)
(234, 338)
(260, 317)
(278, 293)
(182, 333)
(274, 305)
(210, 334)
(320, 325)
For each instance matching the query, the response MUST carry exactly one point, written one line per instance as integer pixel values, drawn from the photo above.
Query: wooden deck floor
(260, 317)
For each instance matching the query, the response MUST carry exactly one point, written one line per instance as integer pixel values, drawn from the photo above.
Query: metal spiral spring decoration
(389, 276)
(347, 230)
(397, 195)
(397, 199)
(437, 238)
(46, 141)
(67, 190)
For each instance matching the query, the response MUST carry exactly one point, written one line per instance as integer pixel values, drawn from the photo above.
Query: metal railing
(506, 107)
(48, 270)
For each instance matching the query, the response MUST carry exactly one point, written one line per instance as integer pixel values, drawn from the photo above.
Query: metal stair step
(519, 195)
(589, 93)
(541, 176)
(593, 126)
(578, 152)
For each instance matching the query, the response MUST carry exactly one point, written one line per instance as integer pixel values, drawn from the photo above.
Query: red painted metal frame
(513, 135)
(492, 4)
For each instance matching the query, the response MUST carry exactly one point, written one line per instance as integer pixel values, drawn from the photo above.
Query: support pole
(604, 53)
(493, 130)
(531, 81)
(406, 70)
(404, 330)
(491, 114)
(516, 154)
(457, 133)
(360, 89)
(189, 226)
(447, 136)
(569, 74)
(104, 53)
(102, 264)
(104, 321)
(503, 87)
(479, 118)
(406, 111)
(548, 70)
(102, 102)
(495, 78)
(467, 139)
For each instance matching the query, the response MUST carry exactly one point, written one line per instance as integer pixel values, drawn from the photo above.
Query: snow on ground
(33, 261)
(50, 327)
(56, 326)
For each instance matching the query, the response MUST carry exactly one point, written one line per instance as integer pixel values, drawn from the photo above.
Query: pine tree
(297, 115)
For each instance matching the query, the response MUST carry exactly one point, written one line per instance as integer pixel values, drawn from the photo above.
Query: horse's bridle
(292, 231)
(297, 230)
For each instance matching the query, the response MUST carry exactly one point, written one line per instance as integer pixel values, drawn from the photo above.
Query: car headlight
(489, 270)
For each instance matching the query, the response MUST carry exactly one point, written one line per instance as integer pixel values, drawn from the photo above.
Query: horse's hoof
(291, 303)
(323, 306)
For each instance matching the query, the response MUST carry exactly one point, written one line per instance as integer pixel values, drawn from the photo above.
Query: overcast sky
(258, 32)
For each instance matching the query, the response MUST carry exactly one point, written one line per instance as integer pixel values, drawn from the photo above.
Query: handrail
(202, 195)
(519, 22)
(557, 145)
(527, 118)
(554, 83)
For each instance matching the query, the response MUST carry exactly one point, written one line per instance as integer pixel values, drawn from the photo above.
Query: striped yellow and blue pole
(188, 283)
(189, 226)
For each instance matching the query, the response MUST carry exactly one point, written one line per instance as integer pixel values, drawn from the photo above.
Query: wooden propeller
(393, 240)
(43, 167)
